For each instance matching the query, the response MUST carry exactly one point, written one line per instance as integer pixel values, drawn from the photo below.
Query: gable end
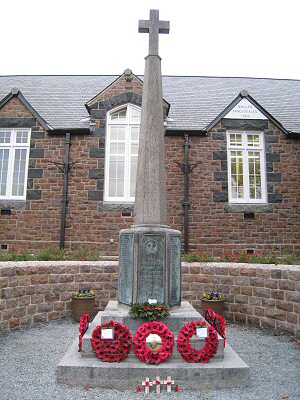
(15, 92)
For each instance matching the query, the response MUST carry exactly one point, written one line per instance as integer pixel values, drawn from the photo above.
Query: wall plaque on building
(245, 110)
(126, 266)
(151, 269)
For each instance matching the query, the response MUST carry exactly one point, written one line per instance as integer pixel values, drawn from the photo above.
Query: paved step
(225, 370)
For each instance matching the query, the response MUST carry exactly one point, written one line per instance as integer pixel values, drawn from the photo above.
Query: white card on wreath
(152, 301)
(201, 332)
(107, 333)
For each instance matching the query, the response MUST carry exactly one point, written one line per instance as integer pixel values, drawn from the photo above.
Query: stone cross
(169, 384)
(147, 385)
(151, 195)
(154, 27)
(157, 383)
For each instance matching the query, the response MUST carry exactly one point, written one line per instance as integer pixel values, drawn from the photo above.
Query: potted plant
(215, 301)
(83, 302)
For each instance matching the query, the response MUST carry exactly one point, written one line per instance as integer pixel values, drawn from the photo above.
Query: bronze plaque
(175, 271)
(151, 268)
(126, 268)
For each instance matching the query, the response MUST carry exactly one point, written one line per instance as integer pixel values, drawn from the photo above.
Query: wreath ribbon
(83, 327)
(217, 321)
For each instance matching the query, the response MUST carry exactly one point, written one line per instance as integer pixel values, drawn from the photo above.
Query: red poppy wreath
(112, 350)
(217, 321)
(192, 355)
(83, 326)
(146, 350)
(220, 326)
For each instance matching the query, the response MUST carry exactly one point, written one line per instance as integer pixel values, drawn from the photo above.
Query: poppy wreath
(112, 350)
(140, 346)
(192, 355)
(217, 321)
(220, 326)
(83, 326)
(209, 316)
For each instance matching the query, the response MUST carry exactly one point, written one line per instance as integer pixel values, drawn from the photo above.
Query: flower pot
(216, 305)
(83, 305)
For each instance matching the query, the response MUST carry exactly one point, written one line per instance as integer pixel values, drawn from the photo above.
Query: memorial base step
(226, 370)
(179, 317)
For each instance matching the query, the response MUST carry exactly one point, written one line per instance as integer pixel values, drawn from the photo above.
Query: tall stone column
(150, 251)
(151, 198)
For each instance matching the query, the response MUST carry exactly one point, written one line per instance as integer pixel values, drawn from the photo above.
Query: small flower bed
(213, 296)
(288, 259)
(85, 293)
(150, 312)
(84, 254)
(16, 255)
(51, 253)
(194, 256)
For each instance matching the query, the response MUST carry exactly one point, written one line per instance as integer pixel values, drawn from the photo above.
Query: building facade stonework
(216, 225)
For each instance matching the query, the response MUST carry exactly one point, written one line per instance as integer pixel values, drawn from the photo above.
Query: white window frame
(128, 123)
(246, 149)
(12, 146)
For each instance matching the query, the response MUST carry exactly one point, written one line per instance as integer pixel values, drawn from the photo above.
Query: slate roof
(195, 100)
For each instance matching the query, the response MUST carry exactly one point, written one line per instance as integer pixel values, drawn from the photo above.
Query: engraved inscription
(151, 273)
(126, 268)
(175, 270)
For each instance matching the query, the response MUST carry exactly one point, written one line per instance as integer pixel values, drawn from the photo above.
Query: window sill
(248, 208)
(13, 204)
(116, 206)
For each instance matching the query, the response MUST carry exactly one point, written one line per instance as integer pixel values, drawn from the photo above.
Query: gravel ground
(29, 357)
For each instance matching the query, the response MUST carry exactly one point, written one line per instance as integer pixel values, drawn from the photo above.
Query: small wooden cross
(157, 383)
(169, 384)
(147, 385)
(154, 27)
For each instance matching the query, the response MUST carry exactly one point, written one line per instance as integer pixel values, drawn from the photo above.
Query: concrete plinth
(226, 370)
(127, 375)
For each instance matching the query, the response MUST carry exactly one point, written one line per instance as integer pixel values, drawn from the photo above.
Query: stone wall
(34, 224)
(215, 226)
(263, 295)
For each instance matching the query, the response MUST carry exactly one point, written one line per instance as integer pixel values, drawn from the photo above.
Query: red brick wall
(263, 295)
(14, 109)
(37, 224)
(120, 86)
(216, 231)
(89, 223)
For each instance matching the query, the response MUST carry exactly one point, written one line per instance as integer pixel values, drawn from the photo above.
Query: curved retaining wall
(263, 295)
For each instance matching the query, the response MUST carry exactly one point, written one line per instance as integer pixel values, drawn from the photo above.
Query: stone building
(68, 156)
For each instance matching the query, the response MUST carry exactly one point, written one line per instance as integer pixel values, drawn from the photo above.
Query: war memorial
(150, 271)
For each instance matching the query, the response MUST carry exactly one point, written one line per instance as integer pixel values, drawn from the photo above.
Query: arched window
(122, 141)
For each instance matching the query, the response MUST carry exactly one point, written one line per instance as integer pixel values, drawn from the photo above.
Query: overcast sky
(252, 38)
